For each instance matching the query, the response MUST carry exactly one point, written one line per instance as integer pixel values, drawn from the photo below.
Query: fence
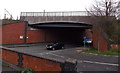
(67, 13)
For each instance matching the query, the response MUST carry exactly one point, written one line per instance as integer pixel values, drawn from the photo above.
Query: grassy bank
(113, 52)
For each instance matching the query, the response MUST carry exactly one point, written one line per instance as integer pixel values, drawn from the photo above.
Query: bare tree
(104, 8)
(104, 15)
(118, 10)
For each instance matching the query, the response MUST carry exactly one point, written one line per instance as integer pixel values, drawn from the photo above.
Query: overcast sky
(17, 6)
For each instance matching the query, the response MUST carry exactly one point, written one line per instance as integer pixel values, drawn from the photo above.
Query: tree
(104, 8)
(104, 14)
(118, 11)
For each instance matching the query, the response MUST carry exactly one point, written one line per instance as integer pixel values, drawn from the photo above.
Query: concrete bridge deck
(37, 17)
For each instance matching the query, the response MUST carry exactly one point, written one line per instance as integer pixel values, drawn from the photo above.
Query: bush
(27, 70)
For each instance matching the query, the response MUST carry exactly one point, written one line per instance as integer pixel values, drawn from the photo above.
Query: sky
(16, 6)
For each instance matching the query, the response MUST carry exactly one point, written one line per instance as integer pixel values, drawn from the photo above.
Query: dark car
(55, 46)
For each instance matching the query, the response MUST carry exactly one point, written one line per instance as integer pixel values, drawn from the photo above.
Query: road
(85, 62)
(89, 62)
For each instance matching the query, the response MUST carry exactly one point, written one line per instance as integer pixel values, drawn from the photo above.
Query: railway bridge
(71, 16)
(50, 20)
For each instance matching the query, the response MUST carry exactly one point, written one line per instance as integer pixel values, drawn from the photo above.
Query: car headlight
(50, 46)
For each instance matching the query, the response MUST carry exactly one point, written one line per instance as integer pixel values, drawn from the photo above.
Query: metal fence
(67, 13)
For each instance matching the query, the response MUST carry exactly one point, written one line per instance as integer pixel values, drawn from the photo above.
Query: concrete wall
(11, 33)
(36, 19)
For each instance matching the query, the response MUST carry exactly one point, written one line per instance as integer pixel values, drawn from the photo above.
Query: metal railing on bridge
(67, 13)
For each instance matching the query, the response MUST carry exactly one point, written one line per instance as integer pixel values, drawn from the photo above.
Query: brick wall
(115, 46)
(0, 34)
(0, 54)
(34, 63)
(38, 64)
(11, 33)
(99, 42)
(10, 57)
(63, 35)
(35, 36)
(88, 33)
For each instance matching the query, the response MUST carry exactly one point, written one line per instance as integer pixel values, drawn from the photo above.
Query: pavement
(85, 62)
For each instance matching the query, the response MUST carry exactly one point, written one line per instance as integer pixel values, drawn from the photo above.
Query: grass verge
(5, 65)
(113, 52)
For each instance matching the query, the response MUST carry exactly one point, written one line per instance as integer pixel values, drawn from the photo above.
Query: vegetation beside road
(107, 19)
(112, 52)
(4, 64)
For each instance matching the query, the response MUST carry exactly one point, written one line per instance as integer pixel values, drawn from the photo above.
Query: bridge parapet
(37, 17)
(67, 13)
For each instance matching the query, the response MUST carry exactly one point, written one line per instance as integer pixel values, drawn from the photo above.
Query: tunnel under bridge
(62, 31)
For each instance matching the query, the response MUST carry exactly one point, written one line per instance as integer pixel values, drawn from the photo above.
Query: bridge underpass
(62, 31)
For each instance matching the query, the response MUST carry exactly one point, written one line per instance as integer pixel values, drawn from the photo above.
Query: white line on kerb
(101, 63)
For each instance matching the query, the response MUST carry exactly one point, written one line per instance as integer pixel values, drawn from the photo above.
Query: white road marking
(52, 53)
(100, 63)
(49, 52)
(89, 61)
(57, 55)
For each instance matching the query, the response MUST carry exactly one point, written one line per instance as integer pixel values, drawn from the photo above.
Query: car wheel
(53, 49)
